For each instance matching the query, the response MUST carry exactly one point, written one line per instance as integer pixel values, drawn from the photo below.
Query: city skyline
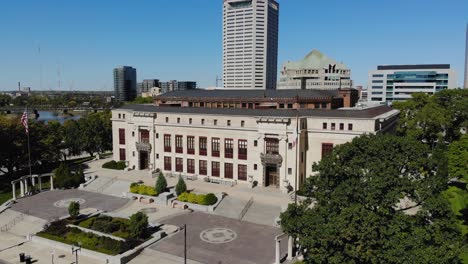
(79, 52)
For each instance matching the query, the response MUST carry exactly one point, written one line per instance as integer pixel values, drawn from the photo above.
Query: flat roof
(370, 112)
(413, 67)
(249, 93)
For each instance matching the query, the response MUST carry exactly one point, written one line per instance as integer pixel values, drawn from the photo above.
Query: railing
(167, 149)
(242, 156)
(228, 154)
(215, 153)
(246, 208)
(190, 151)
(202, 152)
(179, 150)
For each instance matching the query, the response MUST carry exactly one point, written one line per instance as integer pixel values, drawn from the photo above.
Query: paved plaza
(54, 204)
(216, 239)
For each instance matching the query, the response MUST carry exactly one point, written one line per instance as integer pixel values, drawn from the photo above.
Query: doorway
(271, 176)
(144, 160)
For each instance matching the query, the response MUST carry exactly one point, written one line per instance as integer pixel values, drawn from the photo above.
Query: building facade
(272, 147)
(125, 83)
(174, 85)
(146, 86)
(250, 44)
(315, 71)
(466, 60)
(391, 83)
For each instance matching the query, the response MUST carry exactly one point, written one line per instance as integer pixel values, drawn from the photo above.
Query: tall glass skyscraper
(125, 83)
(250, 44)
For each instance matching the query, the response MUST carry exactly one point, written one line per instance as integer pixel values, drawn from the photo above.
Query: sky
(77, 43)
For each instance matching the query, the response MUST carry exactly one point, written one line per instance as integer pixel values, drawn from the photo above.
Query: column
(13, 187)
(51, 182)
(25, 186)
(290, 248)
(21, 188)
(33, 181)
(40, 183)
(277, 252)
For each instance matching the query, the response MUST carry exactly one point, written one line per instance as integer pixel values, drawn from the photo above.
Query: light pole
(185, 243)
(75, 251)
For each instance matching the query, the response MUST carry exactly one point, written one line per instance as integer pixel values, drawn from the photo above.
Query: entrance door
(144, 160)
(271, 177)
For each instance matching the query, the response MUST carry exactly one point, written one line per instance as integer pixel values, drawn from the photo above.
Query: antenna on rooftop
(217, 80)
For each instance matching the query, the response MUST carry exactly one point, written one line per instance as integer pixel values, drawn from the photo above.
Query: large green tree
(352, 214)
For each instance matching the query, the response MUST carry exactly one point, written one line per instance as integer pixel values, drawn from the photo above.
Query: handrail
(246, 208)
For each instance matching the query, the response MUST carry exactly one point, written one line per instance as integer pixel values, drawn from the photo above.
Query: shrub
(180, 187)
(201, 199)
(138, 225)
(74, 209)
(65, 178)
(114, 165)
(161, 184)
(183, 197)
(210, 199)
(134, 188)
(142, 189)
(192, 198)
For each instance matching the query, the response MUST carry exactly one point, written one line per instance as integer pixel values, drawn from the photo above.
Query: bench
(221, 181)
(191, 177)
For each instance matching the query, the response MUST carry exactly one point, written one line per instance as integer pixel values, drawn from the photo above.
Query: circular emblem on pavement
(66, 202)
(218, 235)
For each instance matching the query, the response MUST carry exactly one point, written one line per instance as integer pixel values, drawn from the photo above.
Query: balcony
(167, 149)
(202, 152)
(179, 150)
(143, 145)
(215, 153)
(228, 153)
(191, 151)
(271, 158)
(242, 156)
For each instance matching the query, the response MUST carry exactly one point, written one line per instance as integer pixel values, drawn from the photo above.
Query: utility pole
(75, 251)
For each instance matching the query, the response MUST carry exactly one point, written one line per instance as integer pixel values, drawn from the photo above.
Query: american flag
(24, 121)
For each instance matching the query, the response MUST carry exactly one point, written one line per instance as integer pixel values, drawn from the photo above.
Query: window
(350, 126)
(123, 116)
(290, 145)
(122, 155)
(341, 126)
(215, 169)
(290, 106)
(167, 164)
(324, 105)
(179, 164)
(324, 125)
(242, 152)
(255, 143)
(289, 171)
(167, 119)
(157, 156)
(167, 143)
(133, 133)
(242, 172)
(327, 149)
(215, 122)
(178, 120)
(190, 121)
(272, 145)
(202, 168)
(157, 135)
(133, 153)
(242, 123)
(215, 147)
(190, 145)
(120, 116)
(203, 121)
(228, 148)
(190, 166)
(228, 171)
(121, 136)
(255, 166)
(202, 144)
(179, 147)
(332, 126)
(144, 136)
(228, 123)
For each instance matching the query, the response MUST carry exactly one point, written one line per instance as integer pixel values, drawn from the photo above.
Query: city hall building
(242, 136)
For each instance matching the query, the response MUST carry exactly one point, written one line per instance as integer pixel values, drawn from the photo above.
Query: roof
(314, 60)
(250, 93)
(414, 67)
(345, 113)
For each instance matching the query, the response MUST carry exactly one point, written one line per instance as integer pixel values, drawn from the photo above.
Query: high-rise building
(125, 83)
(466, 60)
(250, 44)
(146, 86)
(315, 71)
(398, 82)
(174, 85)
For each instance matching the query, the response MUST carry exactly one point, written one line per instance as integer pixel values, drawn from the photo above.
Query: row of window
(333, 126)
(203, 168)
(202, 121)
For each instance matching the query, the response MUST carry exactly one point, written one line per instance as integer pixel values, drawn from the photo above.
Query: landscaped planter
(161, 199)
(197, 207)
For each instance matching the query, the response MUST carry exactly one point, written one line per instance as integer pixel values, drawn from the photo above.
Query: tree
(65, 178)
(161, 184)
(96, 130)
(74, 209)
(72, 137)
(458, 158)
(138, 225)
(180, 186)
(352, 214)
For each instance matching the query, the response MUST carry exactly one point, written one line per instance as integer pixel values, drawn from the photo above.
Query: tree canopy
(352, 214)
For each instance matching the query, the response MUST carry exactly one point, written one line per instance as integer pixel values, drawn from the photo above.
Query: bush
(183, 197)
(180, 187)
(114, 165)
(65, 178)
(74, 209)
(210, 199)
(201, 199)
(142, 189)
(138, 225)
(161, 184)
(192, 198)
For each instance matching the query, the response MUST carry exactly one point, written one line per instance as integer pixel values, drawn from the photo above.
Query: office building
(315, 71)
(146, 86)
(272, 147)
(174, 85)
(398, 82)
(250, 44)
(125, 83)
(466, 60)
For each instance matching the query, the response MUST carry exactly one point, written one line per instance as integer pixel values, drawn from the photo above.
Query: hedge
(114, 165)
(143, 189)
(202, 199)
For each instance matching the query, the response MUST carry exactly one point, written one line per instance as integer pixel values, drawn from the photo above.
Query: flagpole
(29, 148)
(297, 157)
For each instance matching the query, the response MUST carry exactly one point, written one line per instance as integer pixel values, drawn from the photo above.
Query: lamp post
(185, 243)
(75, 251)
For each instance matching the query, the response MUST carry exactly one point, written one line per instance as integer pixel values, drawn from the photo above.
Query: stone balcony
(271, 158)
(143, 145)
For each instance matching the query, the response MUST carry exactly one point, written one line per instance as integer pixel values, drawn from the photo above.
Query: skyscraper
(466, 60)
(125, 83)
(250, 43)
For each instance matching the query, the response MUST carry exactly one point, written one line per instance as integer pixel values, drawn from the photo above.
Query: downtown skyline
(170, 40)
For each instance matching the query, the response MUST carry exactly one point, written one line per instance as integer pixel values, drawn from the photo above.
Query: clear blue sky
(182, 39)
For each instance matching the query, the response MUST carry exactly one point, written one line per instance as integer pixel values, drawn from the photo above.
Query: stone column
(40, 183)
(290, 247)
(33, 181)
(21, 188)
(13, 187)
(25, 186)
(277, 251)
(51, 182)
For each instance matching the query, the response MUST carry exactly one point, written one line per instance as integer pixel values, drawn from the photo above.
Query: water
(47, 116)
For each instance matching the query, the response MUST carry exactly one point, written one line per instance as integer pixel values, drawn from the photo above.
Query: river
(47, 116)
